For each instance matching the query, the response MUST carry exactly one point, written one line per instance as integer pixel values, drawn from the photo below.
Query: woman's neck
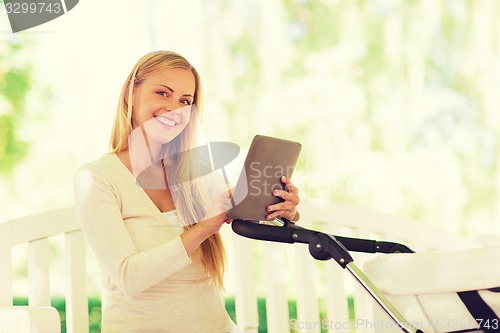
(143, 152)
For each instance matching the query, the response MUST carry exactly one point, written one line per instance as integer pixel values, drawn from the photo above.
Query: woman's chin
(162, 135)
(162, 138)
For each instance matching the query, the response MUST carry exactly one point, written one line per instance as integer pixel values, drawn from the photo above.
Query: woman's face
(162, 104)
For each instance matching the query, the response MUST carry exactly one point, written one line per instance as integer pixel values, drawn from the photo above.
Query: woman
(152, 224)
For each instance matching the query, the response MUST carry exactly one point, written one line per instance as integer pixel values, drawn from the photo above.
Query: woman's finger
(287, 196)
(275, 214)
(288, 185)
(285, 205)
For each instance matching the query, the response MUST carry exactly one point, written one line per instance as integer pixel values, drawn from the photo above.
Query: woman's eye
(162, 93)
(186, 102)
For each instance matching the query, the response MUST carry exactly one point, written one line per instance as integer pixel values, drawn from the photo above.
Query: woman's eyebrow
(172, 90)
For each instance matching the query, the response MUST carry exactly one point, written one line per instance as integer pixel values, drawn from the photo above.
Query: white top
(172, 220)
(150, 282)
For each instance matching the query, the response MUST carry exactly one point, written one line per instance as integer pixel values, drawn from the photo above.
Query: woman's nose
(168, 108)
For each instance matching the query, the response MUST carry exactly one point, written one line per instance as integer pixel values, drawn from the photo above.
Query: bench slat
(245, 295)
(6, 262)
(38, 272)
(307, 296)
(275, 280)
(77, 317)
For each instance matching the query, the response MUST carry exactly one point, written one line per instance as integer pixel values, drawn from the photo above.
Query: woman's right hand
(211, 223)
(217, 214)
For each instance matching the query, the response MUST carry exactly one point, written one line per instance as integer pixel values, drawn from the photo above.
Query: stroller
(481, 316)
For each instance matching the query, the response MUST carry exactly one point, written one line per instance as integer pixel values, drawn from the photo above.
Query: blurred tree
(400, 90)
(15, 83)
(424, 70)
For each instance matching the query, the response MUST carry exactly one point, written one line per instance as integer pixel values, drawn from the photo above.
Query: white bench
(284, 270)
(39, 316)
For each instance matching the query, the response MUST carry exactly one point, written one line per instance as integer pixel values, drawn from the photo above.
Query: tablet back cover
(267, 160)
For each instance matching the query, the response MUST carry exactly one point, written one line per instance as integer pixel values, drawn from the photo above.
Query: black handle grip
(285, 233)
(321, 246)
(265, 232)
(372, 246)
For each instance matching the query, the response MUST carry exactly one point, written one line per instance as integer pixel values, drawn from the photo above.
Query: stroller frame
(323, 246)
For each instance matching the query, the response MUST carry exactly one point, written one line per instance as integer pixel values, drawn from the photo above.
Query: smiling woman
(157, 244)
(159, 265)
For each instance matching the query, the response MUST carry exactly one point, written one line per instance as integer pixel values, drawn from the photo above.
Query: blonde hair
(191, 203)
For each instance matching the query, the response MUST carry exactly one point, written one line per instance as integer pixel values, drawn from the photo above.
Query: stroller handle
(285, 234)
(321, 246)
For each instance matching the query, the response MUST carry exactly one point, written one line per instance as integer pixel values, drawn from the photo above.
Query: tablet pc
(267, 160)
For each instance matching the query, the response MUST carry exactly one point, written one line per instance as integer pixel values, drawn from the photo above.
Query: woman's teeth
(166, 121)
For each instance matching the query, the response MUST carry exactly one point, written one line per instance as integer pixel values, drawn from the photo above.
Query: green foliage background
(393, 101)
(15, 83)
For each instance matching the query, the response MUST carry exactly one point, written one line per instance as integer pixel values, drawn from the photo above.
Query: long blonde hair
(191, 203)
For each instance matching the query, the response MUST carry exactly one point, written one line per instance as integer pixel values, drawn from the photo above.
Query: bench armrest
(29, 319)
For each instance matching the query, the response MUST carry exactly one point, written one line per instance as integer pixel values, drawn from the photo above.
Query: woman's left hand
(287, 208)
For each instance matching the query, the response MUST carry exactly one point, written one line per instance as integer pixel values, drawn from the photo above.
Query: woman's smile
(167, 122)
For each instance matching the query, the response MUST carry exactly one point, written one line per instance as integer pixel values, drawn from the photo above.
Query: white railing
(285, 270)
(39, 316)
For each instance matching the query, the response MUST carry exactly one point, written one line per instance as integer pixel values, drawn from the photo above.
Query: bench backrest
(36, 230)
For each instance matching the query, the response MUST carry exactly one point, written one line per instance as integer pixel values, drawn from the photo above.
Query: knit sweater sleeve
(98, 207)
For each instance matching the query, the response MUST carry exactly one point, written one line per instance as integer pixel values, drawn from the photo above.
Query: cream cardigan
(150, 282)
